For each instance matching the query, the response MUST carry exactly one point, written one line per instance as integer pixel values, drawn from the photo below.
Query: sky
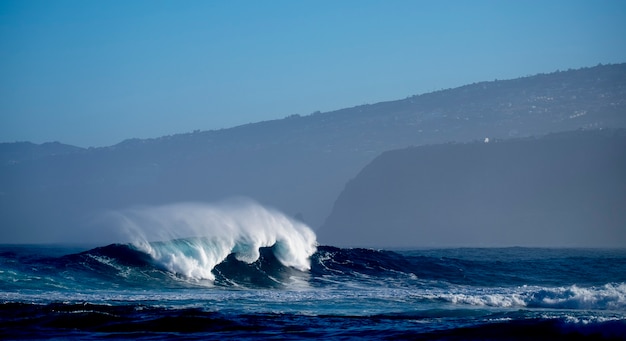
(93, 73)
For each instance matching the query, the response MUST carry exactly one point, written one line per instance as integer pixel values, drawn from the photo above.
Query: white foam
(611, 296)
(489, 300)
(192, 238)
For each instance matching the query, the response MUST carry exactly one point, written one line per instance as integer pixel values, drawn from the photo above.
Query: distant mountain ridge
(21, 151)
(298, 164)
(584, 98)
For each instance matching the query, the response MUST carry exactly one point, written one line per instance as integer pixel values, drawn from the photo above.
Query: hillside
(12, 153)
(298, 164)
(564, 190)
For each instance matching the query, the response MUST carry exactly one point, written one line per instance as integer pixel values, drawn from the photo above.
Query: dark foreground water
(124, 291)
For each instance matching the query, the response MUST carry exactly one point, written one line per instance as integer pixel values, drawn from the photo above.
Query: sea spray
(190, 239)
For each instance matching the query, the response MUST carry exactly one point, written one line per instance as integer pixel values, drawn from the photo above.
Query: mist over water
(192, 238)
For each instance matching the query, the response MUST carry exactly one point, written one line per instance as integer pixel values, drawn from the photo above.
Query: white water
(192, 238)
(611, 296)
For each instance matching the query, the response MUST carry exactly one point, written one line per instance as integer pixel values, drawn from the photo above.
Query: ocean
(265, 282)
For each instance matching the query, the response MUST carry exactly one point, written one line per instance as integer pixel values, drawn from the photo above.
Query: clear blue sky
(93, 73)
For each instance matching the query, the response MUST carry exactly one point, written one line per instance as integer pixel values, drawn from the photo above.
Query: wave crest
(190, 239)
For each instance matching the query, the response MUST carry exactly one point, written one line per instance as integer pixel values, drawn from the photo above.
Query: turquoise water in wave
(156, 291)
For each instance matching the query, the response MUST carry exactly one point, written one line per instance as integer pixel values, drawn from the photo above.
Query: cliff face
(564, 189)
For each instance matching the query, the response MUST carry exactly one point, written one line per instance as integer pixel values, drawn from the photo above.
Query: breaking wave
(191, 239)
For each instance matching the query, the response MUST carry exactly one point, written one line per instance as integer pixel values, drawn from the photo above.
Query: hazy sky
(92, 73)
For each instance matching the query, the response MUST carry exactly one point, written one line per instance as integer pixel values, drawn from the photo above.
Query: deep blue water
(123, 291)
